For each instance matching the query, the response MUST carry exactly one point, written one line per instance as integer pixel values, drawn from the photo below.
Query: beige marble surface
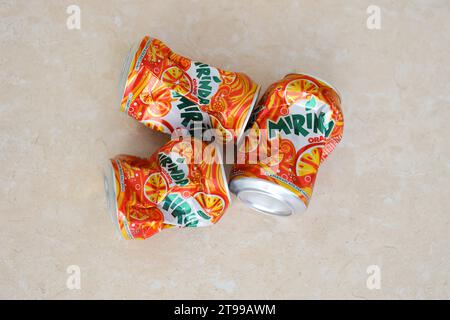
(381, 199)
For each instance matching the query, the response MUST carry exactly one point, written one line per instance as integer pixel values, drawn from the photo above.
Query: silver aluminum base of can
(111, 196)
(266, 197)
(125, 70)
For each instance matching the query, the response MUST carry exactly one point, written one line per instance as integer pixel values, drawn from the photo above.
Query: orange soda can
(168, 92)
(298, 122)
(182, 184)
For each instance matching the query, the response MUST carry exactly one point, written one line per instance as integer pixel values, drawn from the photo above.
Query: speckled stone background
(381, 199)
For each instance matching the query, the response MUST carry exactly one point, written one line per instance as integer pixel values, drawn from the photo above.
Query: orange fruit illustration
(155, 188)
(161, 126)
(158, 101)
(307, 166)
(308, 162)
(300, 89)
(212, 205)
(145, 96)
(177, 80)
(223, 134)
(184, 149)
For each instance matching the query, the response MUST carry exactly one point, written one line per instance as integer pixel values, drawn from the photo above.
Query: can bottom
(126, 65)
(109, 180)
(266, 197)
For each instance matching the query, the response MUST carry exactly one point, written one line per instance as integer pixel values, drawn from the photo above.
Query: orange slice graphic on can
(155, 188)
(158, 101)
(158, 125)
(300, 89)
(307, 166)
(145, 96)
(184, 149)
(177, 80)
(223, 134)
(212, 205)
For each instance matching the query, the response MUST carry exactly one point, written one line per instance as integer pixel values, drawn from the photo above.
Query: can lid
(266, 197)
(264, 202)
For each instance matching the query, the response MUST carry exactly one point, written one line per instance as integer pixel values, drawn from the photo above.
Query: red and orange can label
(183, 184)
(296, 125)
(166, 91)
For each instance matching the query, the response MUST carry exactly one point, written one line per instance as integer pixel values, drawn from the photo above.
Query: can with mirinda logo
(168, 92)
(296, 125)
(183, 184)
